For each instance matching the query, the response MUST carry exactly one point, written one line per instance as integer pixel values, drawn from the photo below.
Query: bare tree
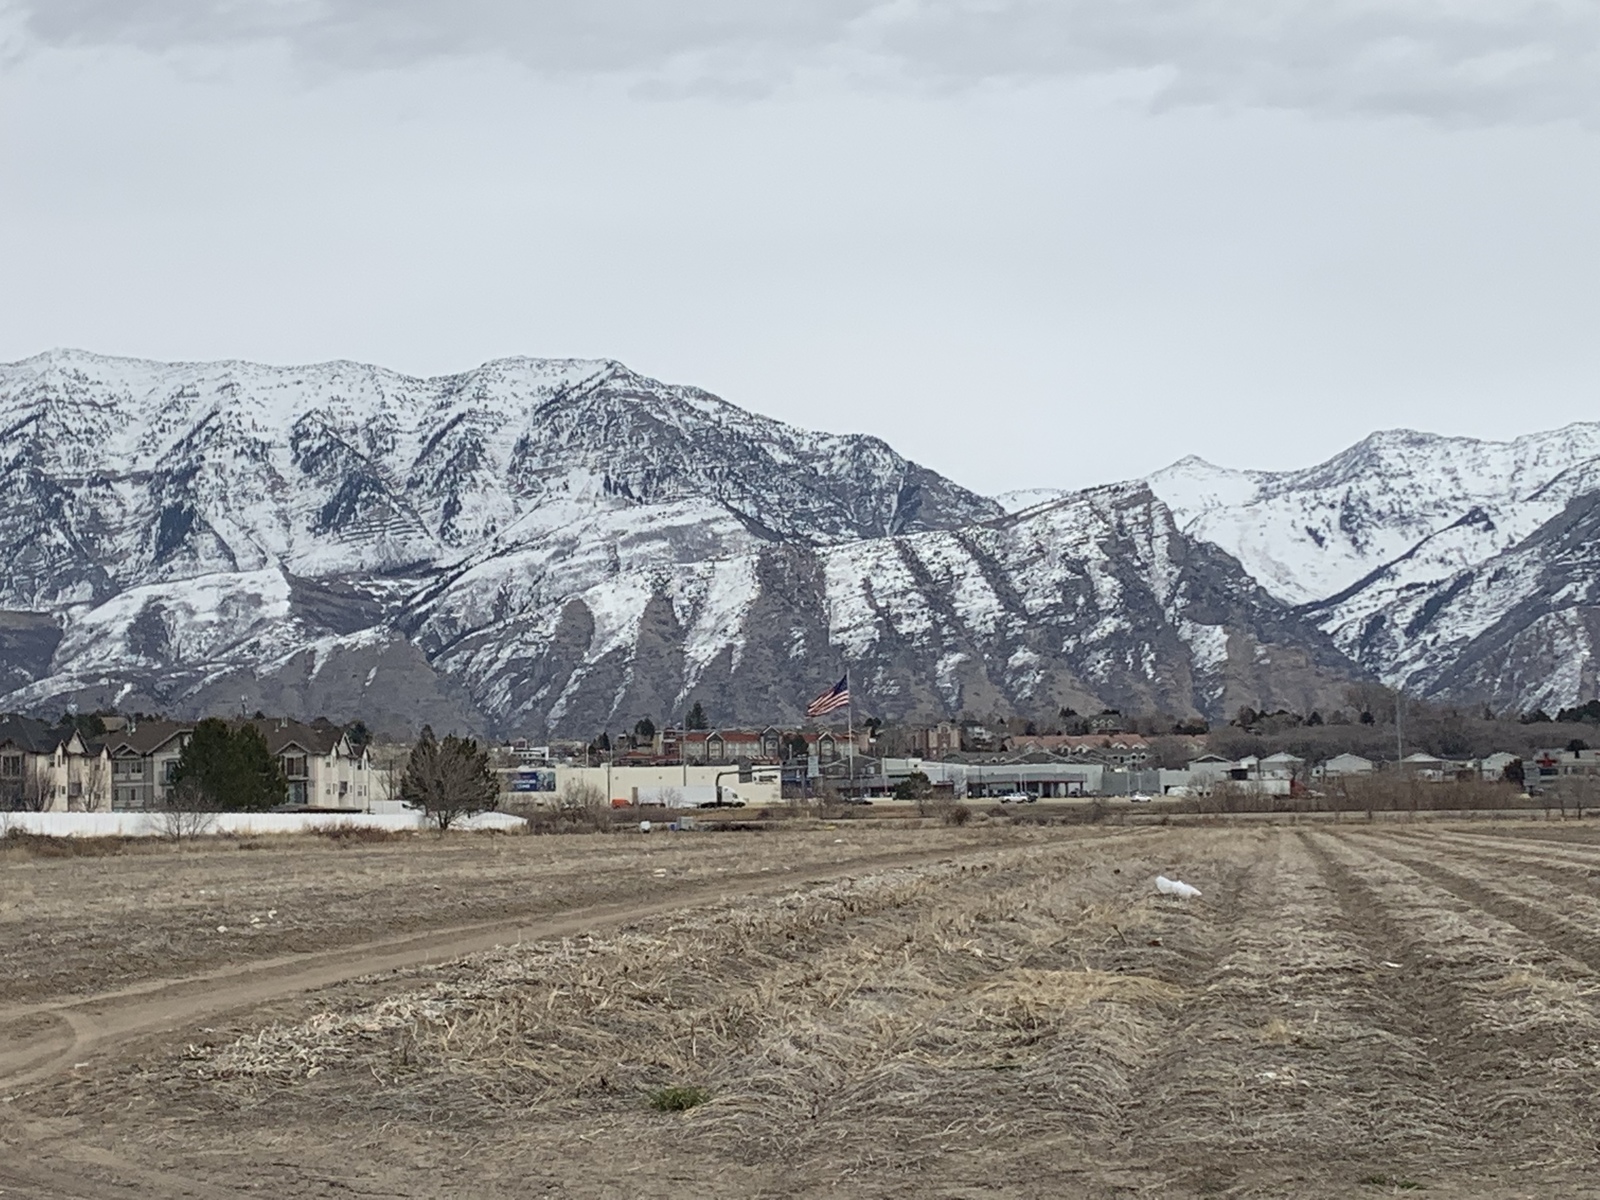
(94, 773)
(184, 814)
(449, 779)
(31, 791)
(586, 804)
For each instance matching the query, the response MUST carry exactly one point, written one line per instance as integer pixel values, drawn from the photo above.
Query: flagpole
(850, 724)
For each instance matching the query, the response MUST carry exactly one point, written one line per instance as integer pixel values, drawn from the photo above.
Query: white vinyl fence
(237, 824)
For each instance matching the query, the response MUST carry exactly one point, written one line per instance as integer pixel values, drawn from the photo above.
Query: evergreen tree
(90, 725)
(915, 786)
(645, 730)
(697, 718)
(229, 769)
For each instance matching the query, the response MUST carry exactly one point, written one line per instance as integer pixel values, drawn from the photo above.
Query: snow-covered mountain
(1458, 568)
(567, 546)
(1306, 535)
(563, 546)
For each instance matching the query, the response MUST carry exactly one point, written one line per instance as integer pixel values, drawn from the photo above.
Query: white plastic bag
(1174, 887)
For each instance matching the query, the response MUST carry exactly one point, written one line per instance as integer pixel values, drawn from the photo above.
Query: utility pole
(1399, 735)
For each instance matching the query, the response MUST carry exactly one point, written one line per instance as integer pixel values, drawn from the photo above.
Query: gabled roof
(147, 736)
(28, 734)
(282, 734)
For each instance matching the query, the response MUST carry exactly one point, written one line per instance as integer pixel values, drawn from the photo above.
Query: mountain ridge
(562, 545)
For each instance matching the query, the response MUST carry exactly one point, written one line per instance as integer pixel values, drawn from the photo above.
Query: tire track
(1263, 1063)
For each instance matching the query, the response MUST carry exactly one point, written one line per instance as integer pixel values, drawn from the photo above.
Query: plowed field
(1345, 1011)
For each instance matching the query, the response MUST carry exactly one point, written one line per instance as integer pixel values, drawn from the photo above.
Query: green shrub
(677, 1099)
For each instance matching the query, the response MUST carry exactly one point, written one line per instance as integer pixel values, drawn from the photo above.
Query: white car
(1017, 798)
(1139, 798)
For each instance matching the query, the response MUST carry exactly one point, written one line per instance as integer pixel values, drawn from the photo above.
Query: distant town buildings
(132, 765)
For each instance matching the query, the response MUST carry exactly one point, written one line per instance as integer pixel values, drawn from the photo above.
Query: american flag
(835, 697)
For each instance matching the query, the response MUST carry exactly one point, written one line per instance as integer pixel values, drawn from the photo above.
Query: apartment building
(322, 768)
(44, 769)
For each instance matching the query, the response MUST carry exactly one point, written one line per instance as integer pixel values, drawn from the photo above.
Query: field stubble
(1342, 1013)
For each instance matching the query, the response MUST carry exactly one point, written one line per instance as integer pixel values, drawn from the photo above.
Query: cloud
(1470, 61)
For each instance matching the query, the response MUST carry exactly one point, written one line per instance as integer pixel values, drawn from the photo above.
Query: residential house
(1209, 769)
(143, 756)
(1425, 767)
(323, 769)
(1116, 749)
(82, 774)
(1493, 768)
(1109, 721)
(1282, 765)
(27, 763)
(825, 746)
(45, 769)
(1342, 765)
(722, 745)
(978, 739)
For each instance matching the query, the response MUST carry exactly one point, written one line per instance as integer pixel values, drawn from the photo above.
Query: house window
(11, 766)
(170, 774)
(294, 766)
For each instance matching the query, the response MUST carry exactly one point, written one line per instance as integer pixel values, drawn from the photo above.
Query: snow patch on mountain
(1310, 534)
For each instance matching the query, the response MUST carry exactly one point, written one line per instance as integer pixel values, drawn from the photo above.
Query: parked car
(1139, 798)
(1018, 798)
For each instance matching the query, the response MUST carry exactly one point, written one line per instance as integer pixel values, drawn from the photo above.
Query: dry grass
(349, 834)
(823, 1025)
(72, 920)
(17, 844)
(1029, 1020)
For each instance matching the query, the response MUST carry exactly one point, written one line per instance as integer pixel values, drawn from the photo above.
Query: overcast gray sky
(1030, 242)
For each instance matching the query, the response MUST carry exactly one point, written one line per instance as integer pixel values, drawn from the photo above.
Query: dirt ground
(1345, 1011)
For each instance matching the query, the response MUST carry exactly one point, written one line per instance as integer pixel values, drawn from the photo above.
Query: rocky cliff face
(562, 546)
